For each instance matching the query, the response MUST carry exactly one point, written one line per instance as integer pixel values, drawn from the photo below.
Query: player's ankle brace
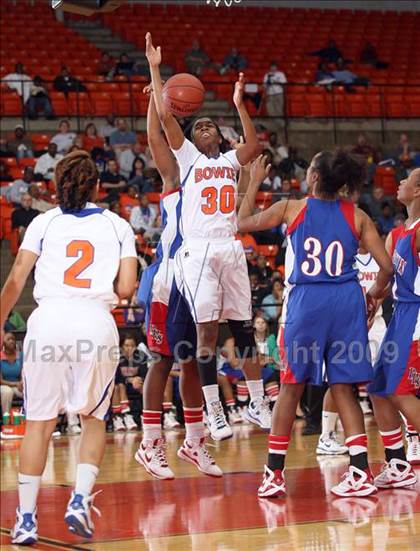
(207, 370)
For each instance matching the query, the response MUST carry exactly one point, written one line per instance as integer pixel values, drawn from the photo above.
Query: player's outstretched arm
(164, 160)
(251, 148)
(22, 267)
(125, 283)
(170, 125)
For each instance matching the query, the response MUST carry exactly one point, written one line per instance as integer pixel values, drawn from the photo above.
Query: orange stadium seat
(386, 179)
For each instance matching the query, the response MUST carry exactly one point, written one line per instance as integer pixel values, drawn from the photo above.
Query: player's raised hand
(259, 170)
(154, 56)
(238, 93)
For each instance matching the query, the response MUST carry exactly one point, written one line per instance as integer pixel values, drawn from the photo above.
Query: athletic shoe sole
(27, 541)
(358, 493)
(219, 439)
(186, 457)
(272, 493)
(139, 459)
(320, 451)
(401, 484)
(76, 527)
(248, 417)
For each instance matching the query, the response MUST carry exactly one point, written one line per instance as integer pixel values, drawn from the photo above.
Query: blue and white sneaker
(78, 514)
(25, 530)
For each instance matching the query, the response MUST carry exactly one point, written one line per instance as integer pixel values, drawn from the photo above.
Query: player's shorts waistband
(73, 303)
(202, 240)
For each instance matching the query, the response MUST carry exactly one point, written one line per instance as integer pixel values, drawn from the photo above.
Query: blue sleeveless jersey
(323, 243)
(406, 262)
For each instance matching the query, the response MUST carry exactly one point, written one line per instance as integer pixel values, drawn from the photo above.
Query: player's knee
(6, 393)
(207, 334)
(243, 333)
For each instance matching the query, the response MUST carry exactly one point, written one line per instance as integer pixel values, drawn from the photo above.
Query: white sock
(256, 389)
(329, 422)
(194, 430)
(85, 478)
(28, 492)
(211, 393)
(152, 432)
(72, 419)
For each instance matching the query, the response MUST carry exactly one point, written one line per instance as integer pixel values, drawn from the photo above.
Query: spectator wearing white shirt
(278, 151)
(273, 90)
(272, 182)
(64, 139)
(142, 217)
(14, 192)
(19, 81)
(127, 158)
(46, 164)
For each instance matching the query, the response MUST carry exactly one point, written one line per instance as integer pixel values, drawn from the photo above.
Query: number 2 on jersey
(86, 251)
(225, 204)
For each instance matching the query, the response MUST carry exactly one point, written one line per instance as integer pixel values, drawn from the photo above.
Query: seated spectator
(233, 61)
(262, 269)
(39, 100)
(268, 354)
(15, 322)
(272, 182)
(122, 138)
(108, 128)
(273, 90)
(137, 178)
(293, 166)
(129, 379)
(14, 193)
(324, 76)
(374, 202)
(343, 76)
(106, 64)
(112, 182)
(404, 152)
(45, 165)
(91, 140)
(5, 175)
(278, 151)
(330, 54)
(124, 66)
(21, 146)
(115, 207)
(366, 150)
(369, 56)
(228, 132)
(355, 198)
(143, 216)
(11, 362)
(272, 303)
(127, 201)
(386, 220)
(38, 202)
(64, 139)
(19, 81)
(258, 291)
(22, 216)
(127, 158)
(196, 59)
(66, 82)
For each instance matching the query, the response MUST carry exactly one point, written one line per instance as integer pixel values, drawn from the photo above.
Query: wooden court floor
(198, 513)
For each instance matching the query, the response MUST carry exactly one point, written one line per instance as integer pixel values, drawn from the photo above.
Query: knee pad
(243, 333)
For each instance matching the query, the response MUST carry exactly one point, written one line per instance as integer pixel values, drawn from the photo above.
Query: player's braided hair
(338, 169)
(75, 175)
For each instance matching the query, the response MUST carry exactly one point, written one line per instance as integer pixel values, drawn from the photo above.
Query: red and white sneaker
(355, 483)
(195, 451)
(413, 449)
(396, 474)
(273, 484)
(152, 455)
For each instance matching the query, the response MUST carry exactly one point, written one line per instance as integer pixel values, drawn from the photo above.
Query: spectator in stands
(39, 100)
(143, 216)
(23, 215)
(105, 65)
(386, 220)
(91, 140)
(108, 128)
(345, 77)
(66, 82)
(122, 138)
(45, 165)
(294, 166)
(5, 175)
(19, 187)
(369, 153)
(262, 269)
(11, 362)
(272, 182)
(330, 54)
(233, 61)
(404, 152)
(278, 151)
(19, 81)
(64, 139)
(127, 158)
(369, 56)
(273, 90)
(375, 201)
(112, 182)
(228, 132)
(272, 303)
(124, 66)
(196, 59)
(137, 177)
(324, 76)
(38, 203)
(21, 145)
(258, 291)
(15, 322)
(267, 350)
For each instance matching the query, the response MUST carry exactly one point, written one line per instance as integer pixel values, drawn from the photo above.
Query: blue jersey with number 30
(323, 243)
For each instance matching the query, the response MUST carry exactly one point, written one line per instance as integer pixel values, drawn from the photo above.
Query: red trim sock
(242, 391)
(272, 392)
(393, 444)
(167, 406)
(116, 409)
(357, 445)
(277, 449)
(152, 424)
(230, 403)
(194, 426)
(125, 406)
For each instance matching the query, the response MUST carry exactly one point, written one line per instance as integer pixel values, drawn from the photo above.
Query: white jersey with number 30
(209, 193)
(79, 253)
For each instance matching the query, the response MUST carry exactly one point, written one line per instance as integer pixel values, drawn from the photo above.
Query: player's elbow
(125, 289)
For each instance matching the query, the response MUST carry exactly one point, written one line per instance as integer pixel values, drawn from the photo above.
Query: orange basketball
(183, 94)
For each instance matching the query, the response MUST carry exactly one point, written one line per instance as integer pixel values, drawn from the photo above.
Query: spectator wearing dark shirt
(375, 201)
(234, 61)
(124, 66)
(196, 59)
(258, 291)
(21, 145)
(137, 177)
(23, 215)
(39, 100)
(112, 182)
(65, 82)
(262, 269)
(386, 220)
(105, 64)
(369, 56)
(330, 54)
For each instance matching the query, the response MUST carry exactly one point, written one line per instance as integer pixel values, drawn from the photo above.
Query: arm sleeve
(34, 234)
(128, 243)
(185, 156)
(233, 158)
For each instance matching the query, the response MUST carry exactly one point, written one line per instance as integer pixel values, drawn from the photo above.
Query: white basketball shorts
(213, 277)
(71, 354)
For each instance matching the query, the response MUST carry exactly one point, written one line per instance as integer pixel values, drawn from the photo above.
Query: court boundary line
(50, 542)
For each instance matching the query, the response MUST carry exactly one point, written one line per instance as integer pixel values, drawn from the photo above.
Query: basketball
(183, 94)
